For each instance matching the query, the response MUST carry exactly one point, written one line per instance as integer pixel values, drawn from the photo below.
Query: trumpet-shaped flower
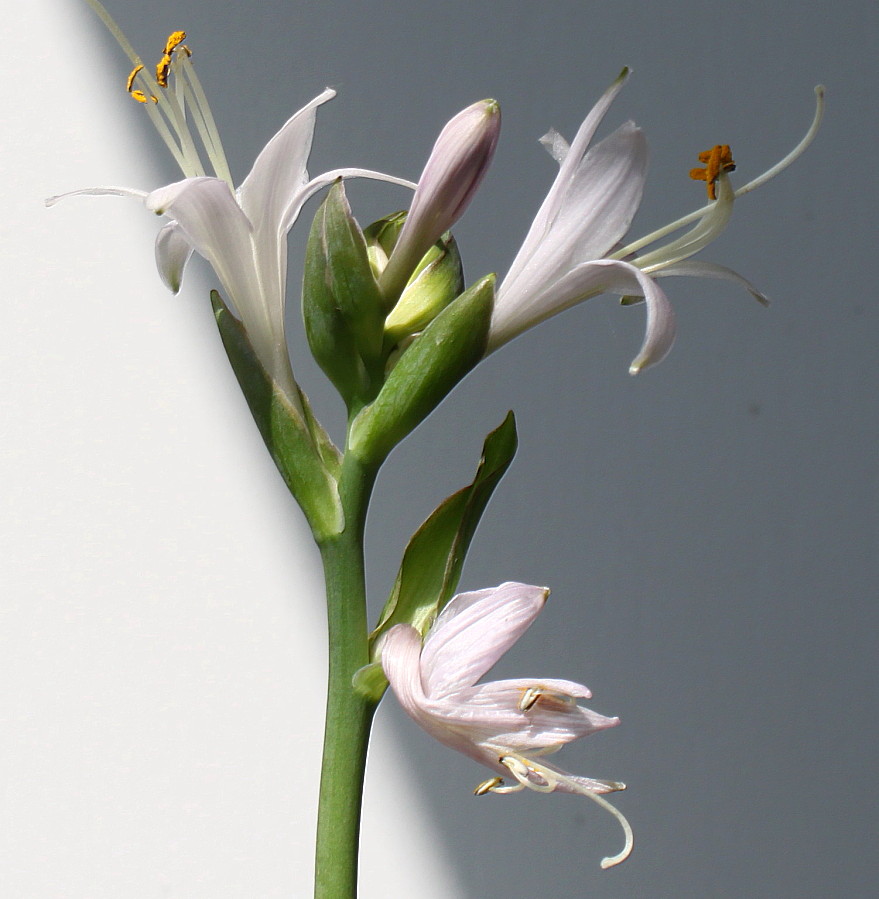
(510, 725)
(573, 250)
(241, 232)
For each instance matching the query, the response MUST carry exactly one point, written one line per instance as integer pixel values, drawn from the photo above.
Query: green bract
(341, 303)
(306, 457)
(432, 563)
(436, 282)
(433, 560)
(426, 372)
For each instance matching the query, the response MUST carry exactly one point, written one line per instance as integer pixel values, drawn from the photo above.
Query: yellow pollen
(163, 66)
(138, 95)
(131, 77)
(716, 160)
(141, 97)
(175, 38)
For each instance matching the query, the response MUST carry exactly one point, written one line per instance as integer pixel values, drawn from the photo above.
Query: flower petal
(400, 658)
(693, 269)
(128, 192)
(280, 169)
(454, 170)
(172, 253)
(474, 631)
(555, 145)
(307, 191)
(583, 282)
(599, 203)
(493, 713)
(550, 207)
(213, 223)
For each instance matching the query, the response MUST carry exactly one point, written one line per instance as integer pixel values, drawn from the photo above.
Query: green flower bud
(426, 372)
(438, 279)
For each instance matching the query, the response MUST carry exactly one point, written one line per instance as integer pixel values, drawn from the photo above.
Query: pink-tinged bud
(460, 158)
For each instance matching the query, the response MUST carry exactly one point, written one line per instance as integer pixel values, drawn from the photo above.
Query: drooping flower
(455, 169)
(572, 251)
(510, 725)
(241, 232)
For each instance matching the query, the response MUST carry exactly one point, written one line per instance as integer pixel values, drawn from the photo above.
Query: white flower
(241, 232)
(510, 725)
(572, 251)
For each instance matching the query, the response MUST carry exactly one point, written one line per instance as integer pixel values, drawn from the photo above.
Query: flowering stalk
(349, 713)
(388, 319)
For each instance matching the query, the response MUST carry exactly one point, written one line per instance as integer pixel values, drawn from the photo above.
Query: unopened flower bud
(460, 159)
(438, 279)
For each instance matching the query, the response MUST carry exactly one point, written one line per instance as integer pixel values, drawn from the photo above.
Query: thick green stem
(349, 715)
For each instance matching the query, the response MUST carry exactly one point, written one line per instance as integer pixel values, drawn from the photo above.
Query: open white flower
(572, 251)
(241, 232)
(510, 725)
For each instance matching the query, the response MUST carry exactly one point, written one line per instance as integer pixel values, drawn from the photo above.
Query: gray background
(708, 528)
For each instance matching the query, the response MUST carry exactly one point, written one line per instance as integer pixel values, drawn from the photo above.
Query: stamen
(550, 699)
(611, 860)
(716, 160)
(522, 770)
(132, 76)
(759, 181)
(529, 698)
(204, 119)
(503, 790)
(487, 786)
(137, 94)
(175, 38)
(698, 237)
(163, 66)
(141, 97)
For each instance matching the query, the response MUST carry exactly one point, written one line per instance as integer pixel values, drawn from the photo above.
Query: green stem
(349, 715)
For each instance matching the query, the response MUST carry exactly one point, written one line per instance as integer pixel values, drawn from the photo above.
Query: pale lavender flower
(455, 169)
(573, 250)
(510, 725)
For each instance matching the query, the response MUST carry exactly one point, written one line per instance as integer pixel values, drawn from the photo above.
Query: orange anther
(141, 97)
(716, 160)
(175, 38)
(138, 95)
(163, 66)
(131, 77)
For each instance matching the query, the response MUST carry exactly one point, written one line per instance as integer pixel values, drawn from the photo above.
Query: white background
(161, 634)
